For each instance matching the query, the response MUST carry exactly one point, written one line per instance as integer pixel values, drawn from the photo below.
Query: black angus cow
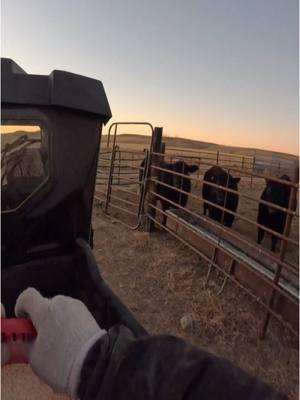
(274, 219)
(218, 196)
(175, 181)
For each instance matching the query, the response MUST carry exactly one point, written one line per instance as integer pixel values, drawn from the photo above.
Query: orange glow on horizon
(24, 128)
(245, 138)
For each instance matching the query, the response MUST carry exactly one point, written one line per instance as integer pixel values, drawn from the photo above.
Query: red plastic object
(14, 332)
(13, 329)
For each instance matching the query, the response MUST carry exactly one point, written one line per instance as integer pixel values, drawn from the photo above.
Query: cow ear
(236, 180)
(193, 168)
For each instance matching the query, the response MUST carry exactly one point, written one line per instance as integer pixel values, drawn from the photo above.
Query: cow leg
(274, 242)
(228, 220)
(212, 213)
(204, 208)
(216, 214)
(260, 235)
(164, 221)
(164, 208)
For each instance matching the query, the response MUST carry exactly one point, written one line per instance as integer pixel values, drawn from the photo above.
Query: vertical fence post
(253, 167)
(154, 160)
(282, 250)
(110, 177)
(217, 161)
(119, 167)
(198, 172)
(143, 183)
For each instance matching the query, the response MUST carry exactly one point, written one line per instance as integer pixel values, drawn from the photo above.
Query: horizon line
(167, 136)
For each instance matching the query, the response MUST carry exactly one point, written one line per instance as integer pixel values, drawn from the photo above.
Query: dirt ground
(18, 382)
(161, 281)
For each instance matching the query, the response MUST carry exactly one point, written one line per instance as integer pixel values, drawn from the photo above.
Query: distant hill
(198, 145)
(11, 137)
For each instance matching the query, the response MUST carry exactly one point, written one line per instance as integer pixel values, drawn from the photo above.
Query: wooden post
(218, 157)
(282, 250)
(154, 160)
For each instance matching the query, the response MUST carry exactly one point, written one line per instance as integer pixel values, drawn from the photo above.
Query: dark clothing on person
(120, 367)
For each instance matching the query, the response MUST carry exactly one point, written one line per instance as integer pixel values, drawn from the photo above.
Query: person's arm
(163, 368)
(72, 354)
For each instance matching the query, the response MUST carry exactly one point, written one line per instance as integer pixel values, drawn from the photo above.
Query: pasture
(162, 281)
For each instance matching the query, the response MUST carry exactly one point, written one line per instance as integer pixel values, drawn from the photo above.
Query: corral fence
(120, 180)
(274, 166)
(128, 191)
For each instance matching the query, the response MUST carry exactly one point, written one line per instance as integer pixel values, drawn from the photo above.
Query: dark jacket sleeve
(120, 367)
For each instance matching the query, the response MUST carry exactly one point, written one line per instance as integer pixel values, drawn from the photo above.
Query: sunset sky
(223, 71)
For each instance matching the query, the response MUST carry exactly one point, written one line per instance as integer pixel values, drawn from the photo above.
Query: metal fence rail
(275, 165)
(227, 275)
(118, 185)
(119, 188)
(283, 271)
(128, 187)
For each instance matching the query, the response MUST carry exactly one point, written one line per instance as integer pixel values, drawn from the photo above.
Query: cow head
(233, 182)
(192, 168)
(182, 168)
(226, 180)
(277, 192)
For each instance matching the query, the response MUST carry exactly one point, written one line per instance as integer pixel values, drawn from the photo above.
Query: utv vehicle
(50, 137)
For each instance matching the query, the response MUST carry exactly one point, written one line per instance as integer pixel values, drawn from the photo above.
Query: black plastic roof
(60, 88)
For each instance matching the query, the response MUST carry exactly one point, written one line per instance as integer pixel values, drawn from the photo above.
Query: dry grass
(161, 281)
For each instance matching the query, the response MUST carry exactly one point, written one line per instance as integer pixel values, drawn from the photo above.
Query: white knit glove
(66, 330)
(5, 352)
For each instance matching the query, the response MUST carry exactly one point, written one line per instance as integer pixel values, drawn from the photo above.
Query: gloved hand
(65, 332)
(5, 353)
